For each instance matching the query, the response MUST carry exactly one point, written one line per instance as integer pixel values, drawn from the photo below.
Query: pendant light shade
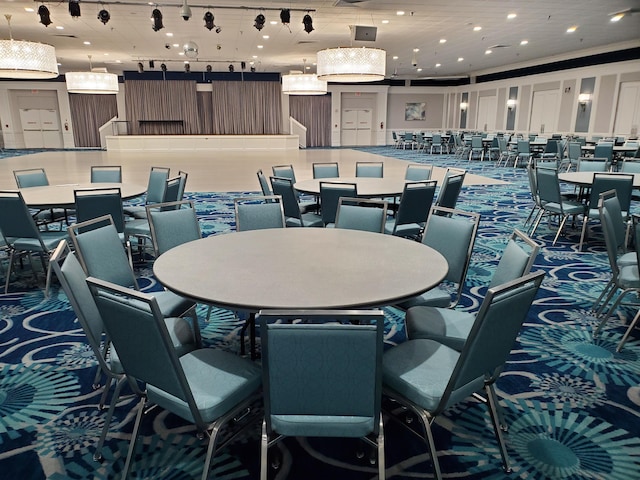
(351, 64)
(303, 84)
(26, 60)
(97, 81)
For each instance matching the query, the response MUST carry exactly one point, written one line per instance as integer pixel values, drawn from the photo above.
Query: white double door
(356, 126)
(41, 128)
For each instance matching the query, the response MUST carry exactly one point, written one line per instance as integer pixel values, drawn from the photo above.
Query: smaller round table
(61, 196)
(585, 179)
(367, 187)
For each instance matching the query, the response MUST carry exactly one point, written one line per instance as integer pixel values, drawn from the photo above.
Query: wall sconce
(583, 98)
(463, 105)
(511, 103)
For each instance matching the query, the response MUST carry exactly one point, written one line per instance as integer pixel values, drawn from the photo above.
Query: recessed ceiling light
(307, 67)
(399, 13)
(511, 16)
(252, 62)
(395, 57)
(572, 29)
(385, 21)
(260, 46)
(266, 37)
(180, 53)
(524, 42)
(615, 18)
(186, 61)
(59, 27)
(418, 69)
(477, 28)
(273, 22)
(460, 59)
(59, 64)
(87, 43)
(176, 45)
(169, 34)
(106, 54)
(29, 9)
(416, 50)
(438, 65)
(118, 61)
(488, 51)
(443, 40)
(254, 56)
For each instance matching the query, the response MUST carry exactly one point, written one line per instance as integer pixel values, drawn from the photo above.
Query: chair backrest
(524, 147)
(604, 150)
(139, 334)
(183, 184)
(453, 234)
(100, 251)
(283, 187)
(450, 190)
(603, 182)
(284, 171)
(574, 151)
(361, 214)
(257, 213)
(73, 281)
(172, 224)
(494, 331)
(330, 193)
(476, 142)
(15, 219)
(417, 172)
(548, 186)
(533, 182)
(517, 259)
(619, 225)
(552, 147)
(610, 240)
(630, 166)
(264, 183)
(31, 177)
(325, 170)
(370, 169)
(593, 164)
(327, 366)
(157, 186)
(415, 203)
(97, 202)
(172, 191)
(106, 174)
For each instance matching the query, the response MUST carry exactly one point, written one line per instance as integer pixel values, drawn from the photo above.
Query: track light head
(209, 69)
(253, 69)
(208, 21)
(152, 64)
(104, 16)
(285, 16)
(259, 22)
(163, 67)
(243, 65)
(231, 69)
(218, 29)
(140, 67)
(308, 23)
(45, 16)
(156, 16)
(74, 8)
(187, 67)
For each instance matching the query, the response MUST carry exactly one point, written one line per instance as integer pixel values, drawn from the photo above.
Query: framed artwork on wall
(415, 111)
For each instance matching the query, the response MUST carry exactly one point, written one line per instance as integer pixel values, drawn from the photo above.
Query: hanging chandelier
(352, 64)
(298, 83)
(96, 81)
(26, 60)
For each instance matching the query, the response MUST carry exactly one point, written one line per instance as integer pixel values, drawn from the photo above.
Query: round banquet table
(367, 186)
(585, 179)
(300, 268)
(61, 196)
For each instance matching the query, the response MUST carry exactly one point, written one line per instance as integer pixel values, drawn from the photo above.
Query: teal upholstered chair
(286, 171)
(428, 377)
(256, 213)
(418, 172)
(476, 148)
(208, 387)
(370, 169)
(451, 327)
(636, 318)
(453, 234)
(603, 182)
(293, 213)
(322, 376)
(361, 214)
(330, 193)
(73, 281)
(552, 202)
(37, 177)
(604, 150)
(450, 189)
(156, 191)
(264, 183)
(593, 164)
(97, 202)
(102, 256)
(325, 170)
(106, 174)
(413, 209)
(172, 224)
(22, 236)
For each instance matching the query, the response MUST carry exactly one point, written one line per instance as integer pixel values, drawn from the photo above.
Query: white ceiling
(128, 37)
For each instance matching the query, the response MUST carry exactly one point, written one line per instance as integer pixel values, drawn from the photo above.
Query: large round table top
(62, 195)
(367, 186)
(585, 179)
(300, 268)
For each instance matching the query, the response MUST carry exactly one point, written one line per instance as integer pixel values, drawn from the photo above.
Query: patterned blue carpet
(572, 402)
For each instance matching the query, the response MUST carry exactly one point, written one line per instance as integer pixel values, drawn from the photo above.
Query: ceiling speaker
(363, 34)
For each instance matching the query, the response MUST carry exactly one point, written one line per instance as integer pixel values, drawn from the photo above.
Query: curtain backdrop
(314, 112)
(162, 108)
(88, 114)
(205, 113)
(247, 108)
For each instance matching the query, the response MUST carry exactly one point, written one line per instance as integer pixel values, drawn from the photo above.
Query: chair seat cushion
(405, 230)
(628, 277)
(569, 207)
(138, 227)
(172, 305)
(436, 297)
(135, 211)
(322, 425)
(309, 220)
(419, 370)
(446, 326)
(626, 259)
(219, 381)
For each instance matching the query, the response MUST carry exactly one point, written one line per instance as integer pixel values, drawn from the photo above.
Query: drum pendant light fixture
(299, 83)
(26, 60)
(95, 81)
(352, 64)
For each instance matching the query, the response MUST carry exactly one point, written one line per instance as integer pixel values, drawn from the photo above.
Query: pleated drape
(246, 108)
(205, 113)
(88, 114)
(167, 107)
(314, 112)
